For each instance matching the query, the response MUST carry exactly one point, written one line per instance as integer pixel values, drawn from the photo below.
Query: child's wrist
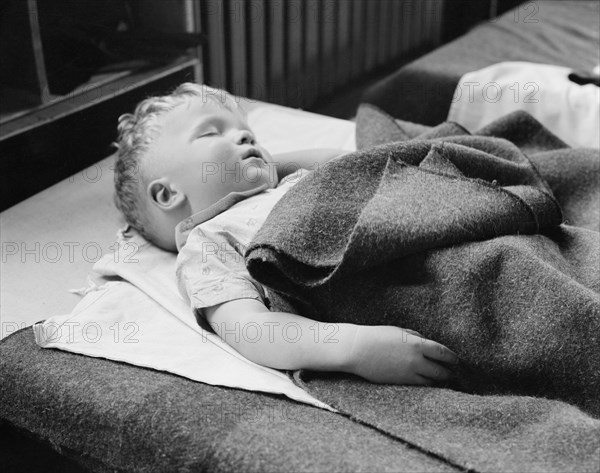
(350, 351)
(366, 343)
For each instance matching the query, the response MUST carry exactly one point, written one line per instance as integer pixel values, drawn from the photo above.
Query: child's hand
(387, 354)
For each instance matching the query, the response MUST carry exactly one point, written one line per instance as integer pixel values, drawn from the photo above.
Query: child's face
(206, 152)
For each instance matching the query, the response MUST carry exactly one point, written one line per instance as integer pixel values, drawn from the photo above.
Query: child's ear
(164, 195)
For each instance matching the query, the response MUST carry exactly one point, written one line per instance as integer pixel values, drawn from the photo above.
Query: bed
(546, 32)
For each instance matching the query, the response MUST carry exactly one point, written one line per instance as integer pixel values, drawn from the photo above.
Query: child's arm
(382, 354)
(311, 159)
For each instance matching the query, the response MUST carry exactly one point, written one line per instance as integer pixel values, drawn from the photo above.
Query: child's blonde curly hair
(136, 133)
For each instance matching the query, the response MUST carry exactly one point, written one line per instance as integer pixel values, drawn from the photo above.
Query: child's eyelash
(208, 133)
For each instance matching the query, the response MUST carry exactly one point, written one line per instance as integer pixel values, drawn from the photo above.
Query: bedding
(568, 109)
(137, 316)
(108, 415)
(561, 33)
(459, 237)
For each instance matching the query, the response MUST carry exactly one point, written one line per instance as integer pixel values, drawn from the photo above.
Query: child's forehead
(186, 116)
(200, 109)
(207, 105)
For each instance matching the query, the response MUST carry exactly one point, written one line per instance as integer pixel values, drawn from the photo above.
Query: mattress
(563, 33)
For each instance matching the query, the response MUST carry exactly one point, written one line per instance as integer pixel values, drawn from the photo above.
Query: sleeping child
(191, 177)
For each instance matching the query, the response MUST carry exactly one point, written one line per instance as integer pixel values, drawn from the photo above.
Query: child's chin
(256, 171)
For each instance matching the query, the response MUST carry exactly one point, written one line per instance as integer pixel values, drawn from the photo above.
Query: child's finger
(418, 379)
(438, 352)
(433, 371)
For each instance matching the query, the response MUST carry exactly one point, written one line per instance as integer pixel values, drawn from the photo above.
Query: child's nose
(245, 137)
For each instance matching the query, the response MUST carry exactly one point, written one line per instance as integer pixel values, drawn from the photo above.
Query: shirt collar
(183, 228)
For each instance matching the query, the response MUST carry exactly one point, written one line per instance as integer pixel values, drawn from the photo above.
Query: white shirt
(210, 265)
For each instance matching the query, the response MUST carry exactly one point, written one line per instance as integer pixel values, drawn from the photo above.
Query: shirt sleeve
(211, 271)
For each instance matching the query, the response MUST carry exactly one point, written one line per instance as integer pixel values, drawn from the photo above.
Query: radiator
(293, 52)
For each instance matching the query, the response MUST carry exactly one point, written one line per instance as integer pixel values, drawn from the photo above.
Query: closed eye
(207, 133)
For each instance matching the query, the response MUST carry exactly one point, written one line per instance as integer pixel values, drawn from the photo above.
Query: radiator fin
(294, 52)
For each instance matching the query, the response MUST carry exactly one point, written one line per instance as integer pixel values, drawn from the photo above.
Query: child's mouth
(252, 153)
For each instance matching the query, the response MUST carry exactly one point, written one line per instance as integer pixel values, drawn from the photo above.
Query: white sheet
(570, 111)
(141, 318)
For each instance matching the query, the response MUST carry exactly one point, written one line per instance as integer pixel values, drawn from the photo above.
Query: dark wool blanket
(487, 243)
